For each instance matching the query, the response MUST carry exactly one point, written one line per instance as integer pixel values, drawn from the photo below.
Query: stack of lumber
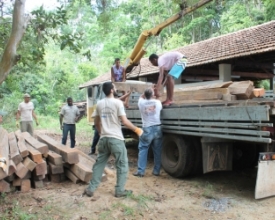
(27, 162)
(223, 91)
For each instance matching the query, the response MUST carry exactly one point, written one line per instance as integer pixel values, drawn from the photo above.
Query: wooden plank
(242, 89)
(12, 167)
(25, 185)
(4, 153)
(209, 85)
(4, 186)
(41, 168)
(258, 92)
(204, 94)
(35, 155)
(229, 97)
(29, 164)
(68, 154)
(14, 151)
(54, 158)
(21, 170)
(134, 86)
(17, 182)
(82, 172)
(41, 147)
(56, 169)
(55, 178)
(71, 176)
(22, 147)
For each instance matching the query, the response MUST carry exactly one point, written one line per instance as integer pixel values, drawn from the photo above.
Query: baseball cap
(27, 95)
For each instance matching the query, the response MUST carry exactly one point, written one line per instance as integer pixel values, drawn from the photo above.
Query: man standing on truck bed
(171, 65)
(26, 114)
(118, 73)
(107, 116)
(152, 134)
(68, 117)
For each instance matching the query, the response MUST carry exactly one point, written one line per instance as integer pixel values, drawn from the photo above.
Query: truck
(205, 136)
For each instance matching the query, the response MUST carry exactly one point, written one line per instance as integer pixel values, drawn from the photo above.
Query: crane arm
(139, 51)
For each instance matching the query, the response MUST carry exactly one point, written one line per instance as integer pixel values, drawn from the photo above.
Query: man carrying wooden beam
(171, 65)
(109, 114)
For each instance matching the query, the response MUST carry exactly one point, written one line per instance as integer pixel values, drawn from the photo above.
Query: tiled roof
(97, 80)
(249, 41)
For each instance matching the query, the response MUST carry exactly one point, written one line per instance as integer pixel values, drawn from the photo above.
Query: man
(95, 141)
(26, 114)
(108, 114)
(118, 73)
(171, 65)
(1, 119)
(152, 134)
(68, 117)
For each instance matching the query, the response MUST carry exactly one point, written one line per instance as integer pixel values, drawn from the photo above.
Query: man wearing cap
(68, 117)
(26, 114)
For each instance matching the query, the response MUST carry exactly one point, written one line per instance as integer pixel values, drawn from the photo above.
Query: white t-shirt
(150, 111)
(169, 59)
(109, 110)
(69, 114)
(25, 111)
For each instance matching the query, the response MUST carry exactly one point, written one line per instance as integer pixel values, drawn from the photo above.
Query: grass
(13, 211)
(50, 124)
(127, 210)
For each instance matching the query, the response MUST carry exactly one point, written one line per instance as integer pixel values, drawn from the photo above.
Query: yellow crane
(138, 51)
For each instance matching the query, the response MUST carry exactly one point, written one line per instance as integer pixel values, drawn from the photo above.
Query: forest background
(77, 41)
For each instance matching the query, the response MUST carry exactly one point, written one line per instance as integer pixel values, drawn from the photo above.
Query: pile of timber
(27, 162)
(223, 91)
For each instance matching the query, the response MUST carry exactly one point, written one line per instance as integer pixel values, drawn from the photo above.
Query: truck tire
(196, 144)
(177, 155)
(244, 155)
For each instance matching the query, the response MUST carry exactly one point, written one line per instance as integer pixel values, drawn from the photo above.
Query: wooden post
(4, 153)
(14, 151)
(225, 72)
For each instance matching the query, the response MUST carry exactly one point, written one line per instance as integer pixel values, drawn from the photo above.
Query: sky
(34, 4)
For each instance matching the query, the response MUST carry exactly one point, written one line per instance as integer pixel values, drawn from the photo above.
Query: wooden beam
(21, 144)
(35, 155)
(68, 154)
(242, 89)
(14, 151)
(200, 73)
(41, 147)
(132, 86)
(4, 153)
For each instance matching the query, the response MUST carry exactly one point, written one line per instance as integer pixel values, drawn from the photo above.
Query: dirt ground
(220, 195)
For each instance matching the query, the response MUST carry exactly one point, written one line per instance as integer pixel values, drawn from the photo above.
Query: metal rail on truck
(238, 120)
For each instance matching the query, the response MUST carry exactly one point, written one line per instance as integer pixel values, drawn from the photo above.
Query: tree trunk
(19, 24)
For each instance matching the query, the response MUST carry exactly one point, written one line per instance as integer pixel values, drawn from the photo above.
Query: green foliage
(78, 41)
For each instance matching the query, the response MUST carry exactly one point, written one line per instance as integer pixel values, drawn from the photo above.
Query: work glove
(37, 123)
(138, 131)
(17, 124)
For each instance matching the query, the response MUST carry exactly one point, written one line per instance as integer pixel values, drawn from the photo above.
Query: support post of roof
(225, 72)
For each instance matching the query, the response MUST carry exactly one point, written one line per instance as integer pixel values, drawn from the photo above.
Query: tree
(9, 57)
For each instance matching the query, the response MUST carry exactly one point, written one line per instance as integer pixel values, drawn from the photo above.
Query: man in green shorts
(108, 115)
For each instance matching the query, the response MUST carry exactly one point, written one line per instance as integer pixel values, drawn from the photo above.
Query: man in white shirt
(26, 114)
(150, 109)
(171, 65)
(108, 115)
(68, 117)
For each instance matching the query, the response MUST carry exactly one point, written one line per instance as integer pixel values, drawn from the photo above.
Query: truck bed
(242, 120)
